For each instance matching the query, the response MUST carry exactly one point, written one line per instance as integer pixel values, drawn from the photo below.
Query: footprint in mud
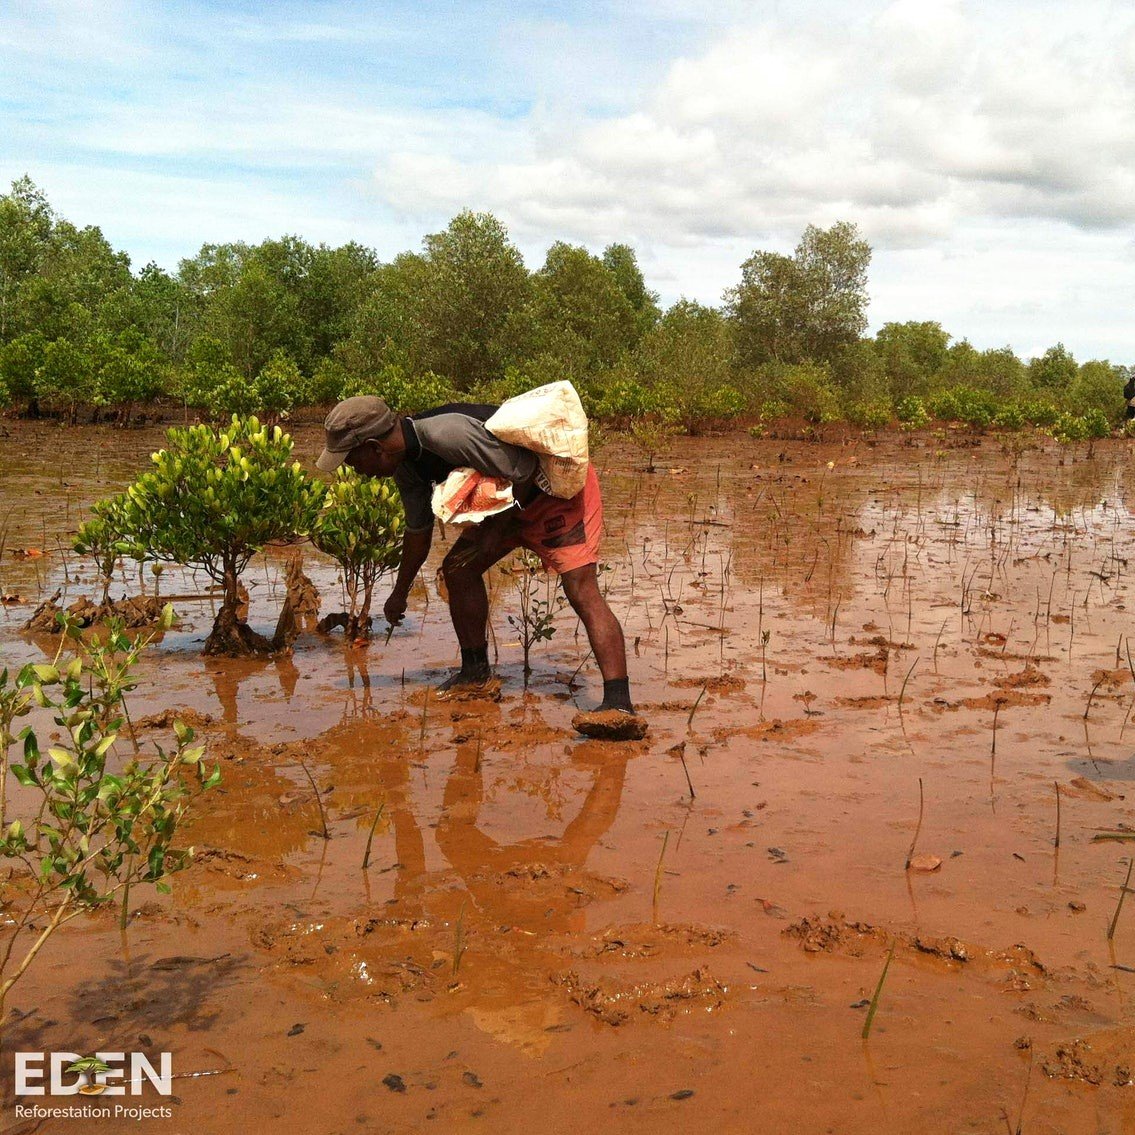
(648, 940)
(1106, 1061)
(616, 1003)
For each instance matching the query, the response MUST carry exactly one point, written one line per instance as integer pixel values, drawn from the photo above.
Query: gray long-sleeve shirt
(452, 437)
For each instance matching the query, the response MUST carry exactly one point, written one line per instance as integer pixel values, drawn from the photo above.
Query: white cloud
(987, 150)
(928, 114)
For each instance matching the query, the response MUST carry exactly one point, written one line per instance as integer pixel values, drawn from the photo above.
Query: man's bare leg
(464, 570)
(615, 718)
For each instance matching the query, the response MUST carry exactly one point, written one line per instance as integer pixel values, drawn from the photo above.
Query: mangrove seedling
(361, 527)
(651, 435)
(100, 539)
(536, 621)
(93, 825)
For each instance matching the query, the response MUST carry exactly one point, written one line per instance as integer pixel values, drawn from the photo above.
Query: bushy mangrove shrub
(213, 499)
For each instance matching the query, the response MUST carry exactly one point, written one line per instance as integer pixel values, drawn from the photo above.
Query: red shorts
(565, 534)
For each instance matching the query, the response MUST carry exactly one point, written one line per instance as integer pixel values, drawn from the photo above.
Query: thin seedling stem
(422, 728)
(326, 833)
(459, 940)
(1088, 707)
(904, 682)
(370, 834)
(878, 989)
(1119, 905)
(917, 827)
(690, 719)
(682, 758)
(658, 872)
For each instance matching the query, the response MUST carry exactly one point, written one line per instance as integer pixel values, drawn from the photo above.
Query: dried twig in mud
(422, 727)
(1119, 905)
(878, 989)
(1021, 1110)
(904, 682)
(1130, 664)
(993, 745)
(1056, 786)
(917, 828)
(658, 872)
(370, 834)
(459, 940)
(326, 833)
(1088, 707)
(690, 719)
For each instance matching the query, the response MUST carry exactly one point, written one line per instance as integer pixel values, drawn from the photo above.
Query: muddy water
(555, 933)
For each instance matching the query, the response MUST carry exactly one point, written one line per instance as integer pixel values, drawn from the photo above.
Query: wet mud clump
(132, 612)
(615, 1003)
(610, 725)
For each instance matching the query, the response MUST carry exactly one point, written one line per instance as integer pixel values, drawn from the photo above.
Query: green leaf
(103, 747)
(64, 758)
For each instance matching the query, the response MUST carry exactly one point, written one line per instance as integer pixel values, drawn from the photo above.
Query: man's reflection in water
(520, 899)
(484, 928)
(499, 877)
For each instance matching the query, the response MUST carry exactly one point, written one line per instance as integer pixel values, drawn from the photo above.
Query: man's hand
(395, 608)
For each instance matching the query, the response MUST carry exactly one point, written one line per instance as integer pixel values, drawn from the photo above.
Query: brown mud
(553, 932)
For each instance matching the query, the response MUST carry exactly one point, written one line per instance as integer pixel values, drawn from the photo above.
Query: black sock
(475, 659)
(617, 694)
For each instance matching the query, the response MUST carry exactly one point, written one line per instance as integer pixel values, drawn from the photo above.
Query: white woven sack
(450, 501)
(550, 421)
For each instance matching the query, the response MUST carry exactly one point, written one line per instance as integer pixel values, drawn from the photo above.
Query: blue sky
(986, 151)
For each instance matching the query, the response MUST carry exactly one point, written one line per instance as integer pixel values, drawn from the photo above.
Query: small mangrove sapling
(536, 621)
(90, 825)
(360, 526)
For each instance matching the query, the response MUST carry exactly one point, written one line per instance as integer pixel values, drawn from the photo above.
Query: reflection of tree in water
(229, 674)
(130, 997)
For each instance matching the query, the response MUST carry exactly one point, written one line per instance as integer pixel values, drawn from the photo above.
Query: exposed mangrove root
(301, 595)
(231, 637)
(352, 626)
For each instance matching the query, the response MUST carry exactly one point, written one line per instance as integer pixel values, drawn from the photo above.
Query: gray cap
(350, 423)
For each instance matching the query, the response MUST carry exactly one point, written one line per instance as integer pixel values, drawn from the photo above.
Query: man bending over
(420, 451)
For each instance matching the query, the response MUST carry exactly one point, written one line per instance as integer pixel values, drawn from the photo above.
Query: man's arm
(415, 549)
(416, 539)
